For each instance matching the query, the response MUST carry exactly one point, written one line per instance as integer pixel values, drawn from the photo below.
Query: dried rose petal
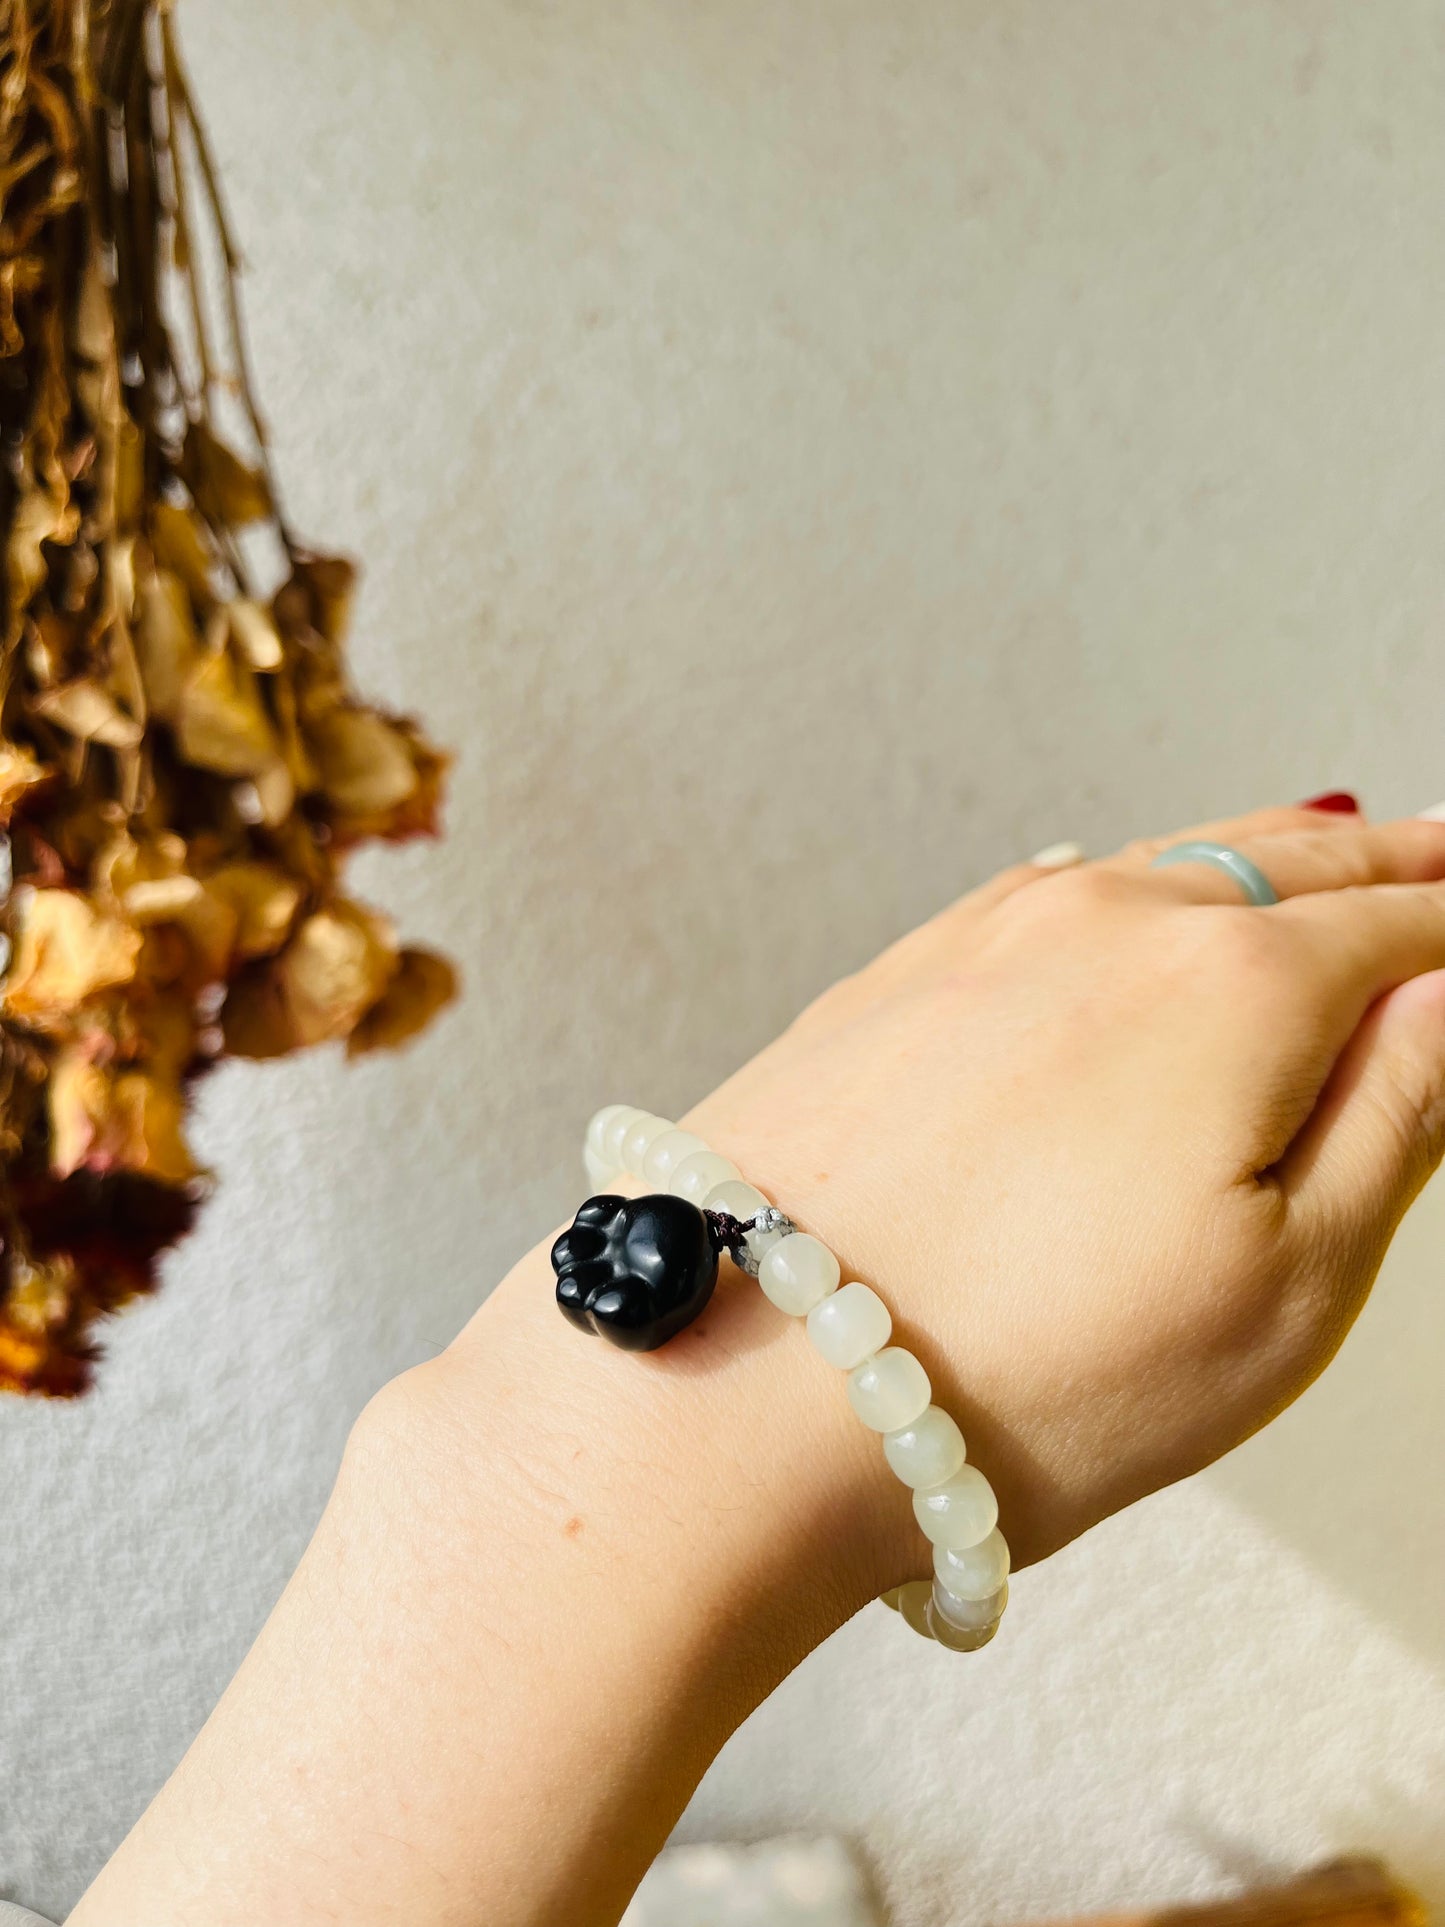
(334, 969)
(252, 633)
(228, 490)
(20, 772)
(167, 642)
(65, 951)
(365, 762)
(265, 901)
(221, 724)
(87, 711)
(422, 985)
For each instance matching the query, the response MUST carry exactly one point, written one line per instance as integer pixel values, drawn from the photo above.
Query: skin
(1122, 1156)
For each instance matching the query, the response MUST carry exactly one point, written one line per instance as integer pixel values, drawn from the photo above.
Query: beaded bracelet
(638, 1270)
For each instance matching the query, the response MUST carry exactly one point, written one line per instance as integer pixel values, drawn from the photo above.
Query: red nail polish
(1336, 802)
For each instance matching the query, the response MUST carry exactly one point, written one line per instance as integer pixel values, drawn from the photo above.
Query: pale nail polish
(1435, 813)
(1058, 856)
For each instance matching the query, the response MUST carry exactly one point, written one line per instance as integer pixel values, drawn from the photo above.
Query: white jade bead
(617, 1129)
(959, 1512)
(969, 1615)
(745, 1201)
(665, 1153)
(798, 1273)
(928, 1451)
(959, 1639)
(642, 1134)
(599, 1171)
(889, 1390)
(760, 1243)
(692, 1178)
(597, 1128)
(913, 1601)
(735, 1196)
(973, 1572)
(850, 1325)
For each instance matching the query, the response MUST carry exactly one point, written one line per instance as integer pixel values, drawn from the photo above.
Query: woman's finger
(1305, 862)
(1305, 974)
(1363, 943)
(942, 930)
(1274, 821)
(1378, 1129)
(1058, 856)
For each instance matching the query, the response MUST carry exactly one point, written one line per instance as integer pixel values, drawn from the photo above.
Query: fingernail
(1058, 856)
(1336, 802)
(1435, 813)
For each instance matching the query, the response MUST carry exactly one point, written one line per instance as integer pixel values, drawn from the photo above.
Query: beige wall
(805, 456)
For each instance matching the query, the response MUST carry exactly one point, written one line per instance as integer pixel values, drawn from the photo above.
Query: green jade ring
(1251, 879)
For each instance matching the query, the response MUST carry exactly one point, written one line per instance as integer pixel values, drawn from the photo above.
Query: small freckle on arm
(572, 1528)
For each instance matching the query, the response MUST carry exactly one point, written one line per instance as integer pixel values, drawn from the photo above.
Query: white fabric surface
(806, 457)
(776, 1883)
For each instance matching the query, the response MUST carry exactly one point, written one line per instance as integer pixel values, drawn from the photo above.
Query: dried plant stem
(183, 111)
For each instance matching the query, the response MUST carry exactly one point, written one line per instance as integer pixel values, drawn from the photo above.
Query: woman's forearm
(550, 1581)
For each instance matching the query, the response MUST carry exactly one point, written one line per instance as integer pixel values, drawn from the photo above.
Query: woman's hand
(1122, 1154)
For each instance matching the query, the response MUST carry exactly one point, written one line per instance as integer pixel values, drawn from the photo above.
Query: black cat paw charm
(636, 1269)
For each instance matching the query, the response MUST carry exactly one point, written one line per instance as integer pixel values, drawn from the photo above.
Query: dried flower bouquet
(183, 762)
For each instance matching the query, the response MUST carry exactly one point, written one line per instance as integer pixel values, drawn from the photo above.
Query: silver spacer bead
(760, 1234)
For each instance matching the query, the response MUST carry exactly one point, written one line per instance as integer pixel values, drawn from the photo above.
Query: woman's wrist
(888, 1236)
(670, 1534)
(638, 1270)
(732, 1451)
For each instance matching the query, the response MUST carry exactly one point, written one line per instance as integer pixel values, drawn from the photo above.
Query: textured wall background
(832, 449)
